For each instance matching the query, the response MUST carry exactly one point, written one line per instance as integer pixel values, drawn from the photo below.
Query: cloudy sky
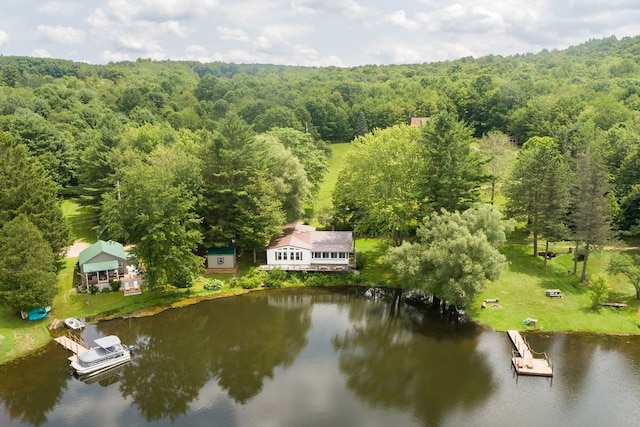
(305, 32)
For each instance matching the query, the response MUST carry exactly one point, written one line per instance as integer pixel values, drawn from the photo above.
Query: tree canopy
(454, 256)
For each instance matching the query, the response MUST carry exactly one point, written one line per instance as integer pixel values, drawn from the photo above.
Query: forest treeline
(186, 155)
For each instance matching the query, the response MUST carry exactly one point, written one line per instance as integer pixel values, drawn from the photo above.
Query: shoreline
(155, 309)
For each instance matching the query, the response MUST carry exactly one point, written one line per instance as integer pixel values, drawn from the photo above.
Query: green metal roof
(221, 251)
(92, 267)
(112, 248)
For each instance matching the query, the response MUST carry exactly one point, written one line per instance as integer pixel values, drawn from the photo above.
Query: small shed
(221, 258)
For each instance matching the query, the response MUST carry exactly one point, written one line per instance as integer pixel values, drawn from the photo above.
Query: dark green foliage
(591, 208)
(115, 285)
(453, 171)
(27, 266)
(240, 204)
(25, 188)
(538, 189)
(361, 127)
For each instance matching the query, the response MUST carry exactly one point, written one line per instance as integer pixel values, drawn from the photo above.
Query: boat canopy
(107, 342)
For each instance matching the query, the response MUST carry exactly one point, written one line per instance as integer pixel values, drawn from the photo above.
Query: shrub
(598, 290)
(275, 278)
(253, 279)
(361, 261)
(93, 289)
(105, 290)
(213, 285)
(115, 286)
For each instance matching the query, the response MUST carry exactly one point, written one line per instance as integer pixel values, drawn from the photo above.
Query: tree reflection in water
(404, 359)
(38, 387)
(177, 355)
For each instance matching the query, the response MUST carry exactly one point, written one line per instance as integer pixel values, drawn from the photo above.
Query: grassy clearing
(81, 221)
(323, 201)
(521, 287)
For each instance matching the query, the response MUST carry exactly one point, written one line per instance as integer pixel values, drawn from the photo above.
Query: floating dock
(73, 345)
(526, 361)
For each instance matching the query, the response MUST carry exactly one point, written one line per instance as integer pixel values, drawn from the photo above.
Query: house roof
(322, 241)
(227, 250)
(112, 248)
(92, 267)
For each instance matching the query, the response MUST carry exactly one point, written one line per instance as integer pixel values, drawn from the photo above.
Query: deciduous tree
(627, 264)
(377, 191)
(454, 256)
(154, 210)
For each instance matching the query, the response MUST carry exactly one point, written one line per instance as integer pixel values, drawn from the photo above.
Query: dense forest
(179, 156)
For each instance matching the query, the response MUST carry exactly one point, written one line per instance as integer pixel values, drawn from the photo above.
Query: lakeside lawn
(521, 293)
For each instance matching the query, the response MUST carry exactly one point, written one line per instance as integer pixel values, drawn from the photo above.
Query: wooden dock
(71, 344)
(524, 359)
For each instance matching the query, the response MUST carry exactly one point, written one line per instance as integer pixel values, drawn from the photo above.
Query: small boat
(37, 313)
(73, 323)
(110, 352)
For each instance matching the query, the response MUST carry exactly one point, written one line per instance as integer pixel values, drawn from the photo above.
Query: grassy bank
(521, 294)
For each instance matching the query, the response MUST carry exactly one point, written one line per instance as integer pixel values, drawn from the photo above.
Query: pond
(317, 357)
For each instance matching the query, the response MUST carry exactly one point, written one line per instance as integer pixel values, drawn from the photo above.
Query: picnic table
(553, 293)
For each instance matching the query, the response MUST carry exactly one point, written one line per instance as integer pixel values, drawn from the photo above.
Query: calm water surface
(318, 358)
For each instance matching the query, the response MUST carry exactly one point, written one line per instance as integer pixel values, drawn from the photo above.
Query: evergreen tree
(234, 180)
(453, 171)
(537, 190)
(590, 214)
(361, 127)
(25, 188)
(27, 266)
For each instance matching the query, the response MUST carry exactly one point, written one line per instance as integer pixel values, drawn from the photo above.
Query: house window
(220, 260)
(342, 255)
(298, 256)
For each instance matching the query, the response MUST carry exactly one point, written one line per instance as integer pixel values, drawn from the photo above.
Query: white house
(302, 248)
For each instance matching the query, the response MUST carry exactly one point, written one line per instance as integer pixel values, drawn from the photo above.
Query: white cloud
(309, 32)
(41, 53)
(279, 39)
(196, 50)
(233, 34)
(310, 7)
(160, 10)
(61, 35)
(399, 19)
(59, 7)
(108, 56)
